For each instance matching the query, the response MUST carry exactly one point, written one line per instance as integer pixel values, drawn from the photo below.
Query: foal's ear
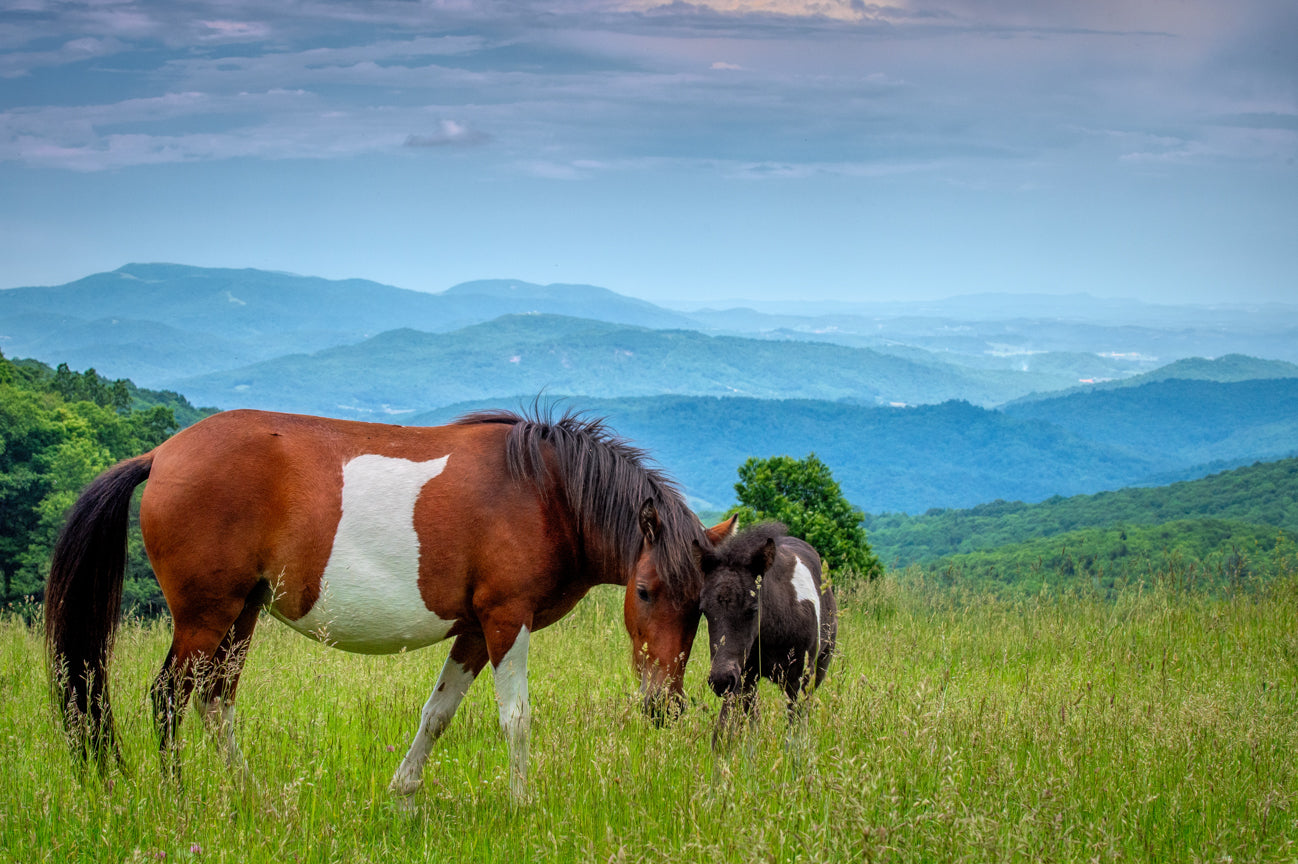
(721, 530)
(763, 558)
(650, 525)
(703, 559)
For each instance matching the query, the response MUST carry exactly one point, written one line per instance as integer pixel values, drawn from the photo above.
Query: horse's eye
(750, 613)
(643, 593)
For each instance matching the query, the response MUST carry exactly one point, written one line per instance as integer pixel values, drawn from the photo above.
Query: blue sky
(679, 152)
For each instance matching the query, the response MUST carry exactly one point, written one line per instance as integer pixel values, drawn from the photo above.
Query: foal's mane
(740, 549)
(605, 480)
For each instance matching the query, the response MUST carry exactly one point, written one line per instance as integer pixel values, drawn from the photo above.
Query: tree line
(59, 429)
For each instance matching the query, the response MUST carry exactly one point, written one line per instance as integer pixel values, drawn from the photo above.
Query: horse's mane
(739, 549)
(605, 481)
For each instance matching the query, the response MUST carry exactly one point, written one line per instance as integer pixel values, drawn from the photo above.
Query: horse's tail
(83, 599)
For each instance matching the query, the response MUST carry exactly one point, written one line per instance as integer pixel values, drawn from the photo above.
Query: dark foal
(768, 615)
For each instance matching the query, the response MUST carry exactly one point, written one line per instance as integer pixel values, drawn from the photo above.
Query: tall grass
(1159, 726)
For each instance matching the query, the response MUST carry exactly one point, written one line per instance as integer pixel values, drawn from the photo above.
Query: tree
(58, 429)
(804, 496)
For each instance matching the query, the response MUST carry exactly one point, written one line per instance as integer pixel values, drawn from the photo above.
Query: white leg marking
(515, 713)
(218, 716)
(369, 594)
(451, 686)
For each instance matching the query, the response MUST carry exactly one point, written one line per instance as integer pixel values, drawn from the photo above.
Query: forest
(58, 429)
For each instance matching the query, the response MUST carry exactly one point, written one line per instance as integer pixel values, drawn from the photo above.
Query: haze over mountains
(1095, 393)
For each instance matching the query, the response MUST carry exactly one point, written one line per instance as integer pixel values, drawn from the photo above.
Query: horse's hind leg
(468, 656)
(217, 689)
(194, 646)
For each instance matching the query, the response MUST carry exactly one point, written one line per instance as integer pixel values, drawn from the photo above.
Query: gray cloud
(786, 88)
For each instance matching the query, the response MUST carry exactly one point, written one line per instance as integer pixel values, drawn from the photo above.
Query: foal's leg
(468, 656)
(507, 646)
(735, 708)
(797, 690)
(216, 691)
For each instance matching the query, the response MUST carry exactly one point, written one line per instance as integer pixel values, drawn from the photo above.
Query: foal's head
(731, 600)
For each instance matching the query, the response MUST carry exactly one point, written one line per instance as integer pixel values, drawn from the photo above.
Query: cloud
(564, 83)
(449, 134)
(20, 64)
(234, 31)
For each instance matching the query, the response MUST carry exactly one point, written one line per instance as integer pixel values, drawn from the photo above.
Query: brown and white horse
(375, 539)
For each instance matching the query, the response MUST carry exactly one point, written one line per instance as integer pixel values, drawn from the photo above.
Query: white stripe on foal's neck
(369, 594)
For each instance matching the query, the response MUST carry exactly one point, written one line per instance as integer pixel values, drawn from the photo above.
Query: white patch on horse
(369, 594)
(804, 588)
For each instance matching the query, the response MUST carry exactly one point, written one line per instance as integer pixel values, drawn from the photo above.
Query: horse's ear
(722, 530)
(650, 525)
(703, 558)
(763, 558)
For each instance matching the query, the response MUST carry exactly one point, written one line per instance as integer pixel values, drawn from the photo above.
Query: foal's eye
(643, 593)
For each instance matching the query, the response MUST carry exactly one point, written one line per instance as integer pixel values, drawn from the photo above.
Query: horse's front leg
(507, 645)
(468, 656)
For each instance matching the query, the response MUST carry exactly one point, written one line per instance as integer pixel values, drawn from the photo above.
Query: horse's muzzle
(663, 706)
(724, 680)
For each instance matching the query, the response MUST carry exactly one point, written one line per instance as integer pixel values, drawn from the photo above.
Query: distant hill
(910, 459)
(1260, 494)
(965, 329)
(1185, 421)
(1232, 367)
(407, 370)
(160, 322)
(163, 322)
(577, 301)
(959, 455)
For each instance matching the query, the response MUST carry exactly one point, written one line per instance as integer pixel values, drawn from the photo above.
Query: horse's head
(731, 602)
(661, 617)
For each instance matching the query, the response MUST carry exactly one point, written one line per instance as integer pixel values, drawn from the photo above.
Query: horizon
(782, 306)
(830, 152)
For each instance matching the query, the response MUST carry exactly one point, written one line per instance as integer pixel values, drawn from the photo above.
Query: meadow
(1159, 724)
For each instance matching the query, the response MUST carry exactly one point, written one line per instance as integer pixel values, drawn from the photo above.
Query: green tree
(804, 496)
(88, 386)
(58, 429)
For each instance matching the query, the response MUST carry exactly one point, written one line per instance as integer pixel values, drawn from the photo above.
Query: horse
(769, 615)
(375, 539)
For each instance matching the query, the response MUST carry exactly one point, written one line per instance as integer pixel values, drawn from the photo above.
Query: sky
(679, 152)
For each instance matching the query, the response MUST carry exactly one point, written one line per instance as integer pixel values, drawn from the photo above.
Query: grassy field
(1160, 726)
